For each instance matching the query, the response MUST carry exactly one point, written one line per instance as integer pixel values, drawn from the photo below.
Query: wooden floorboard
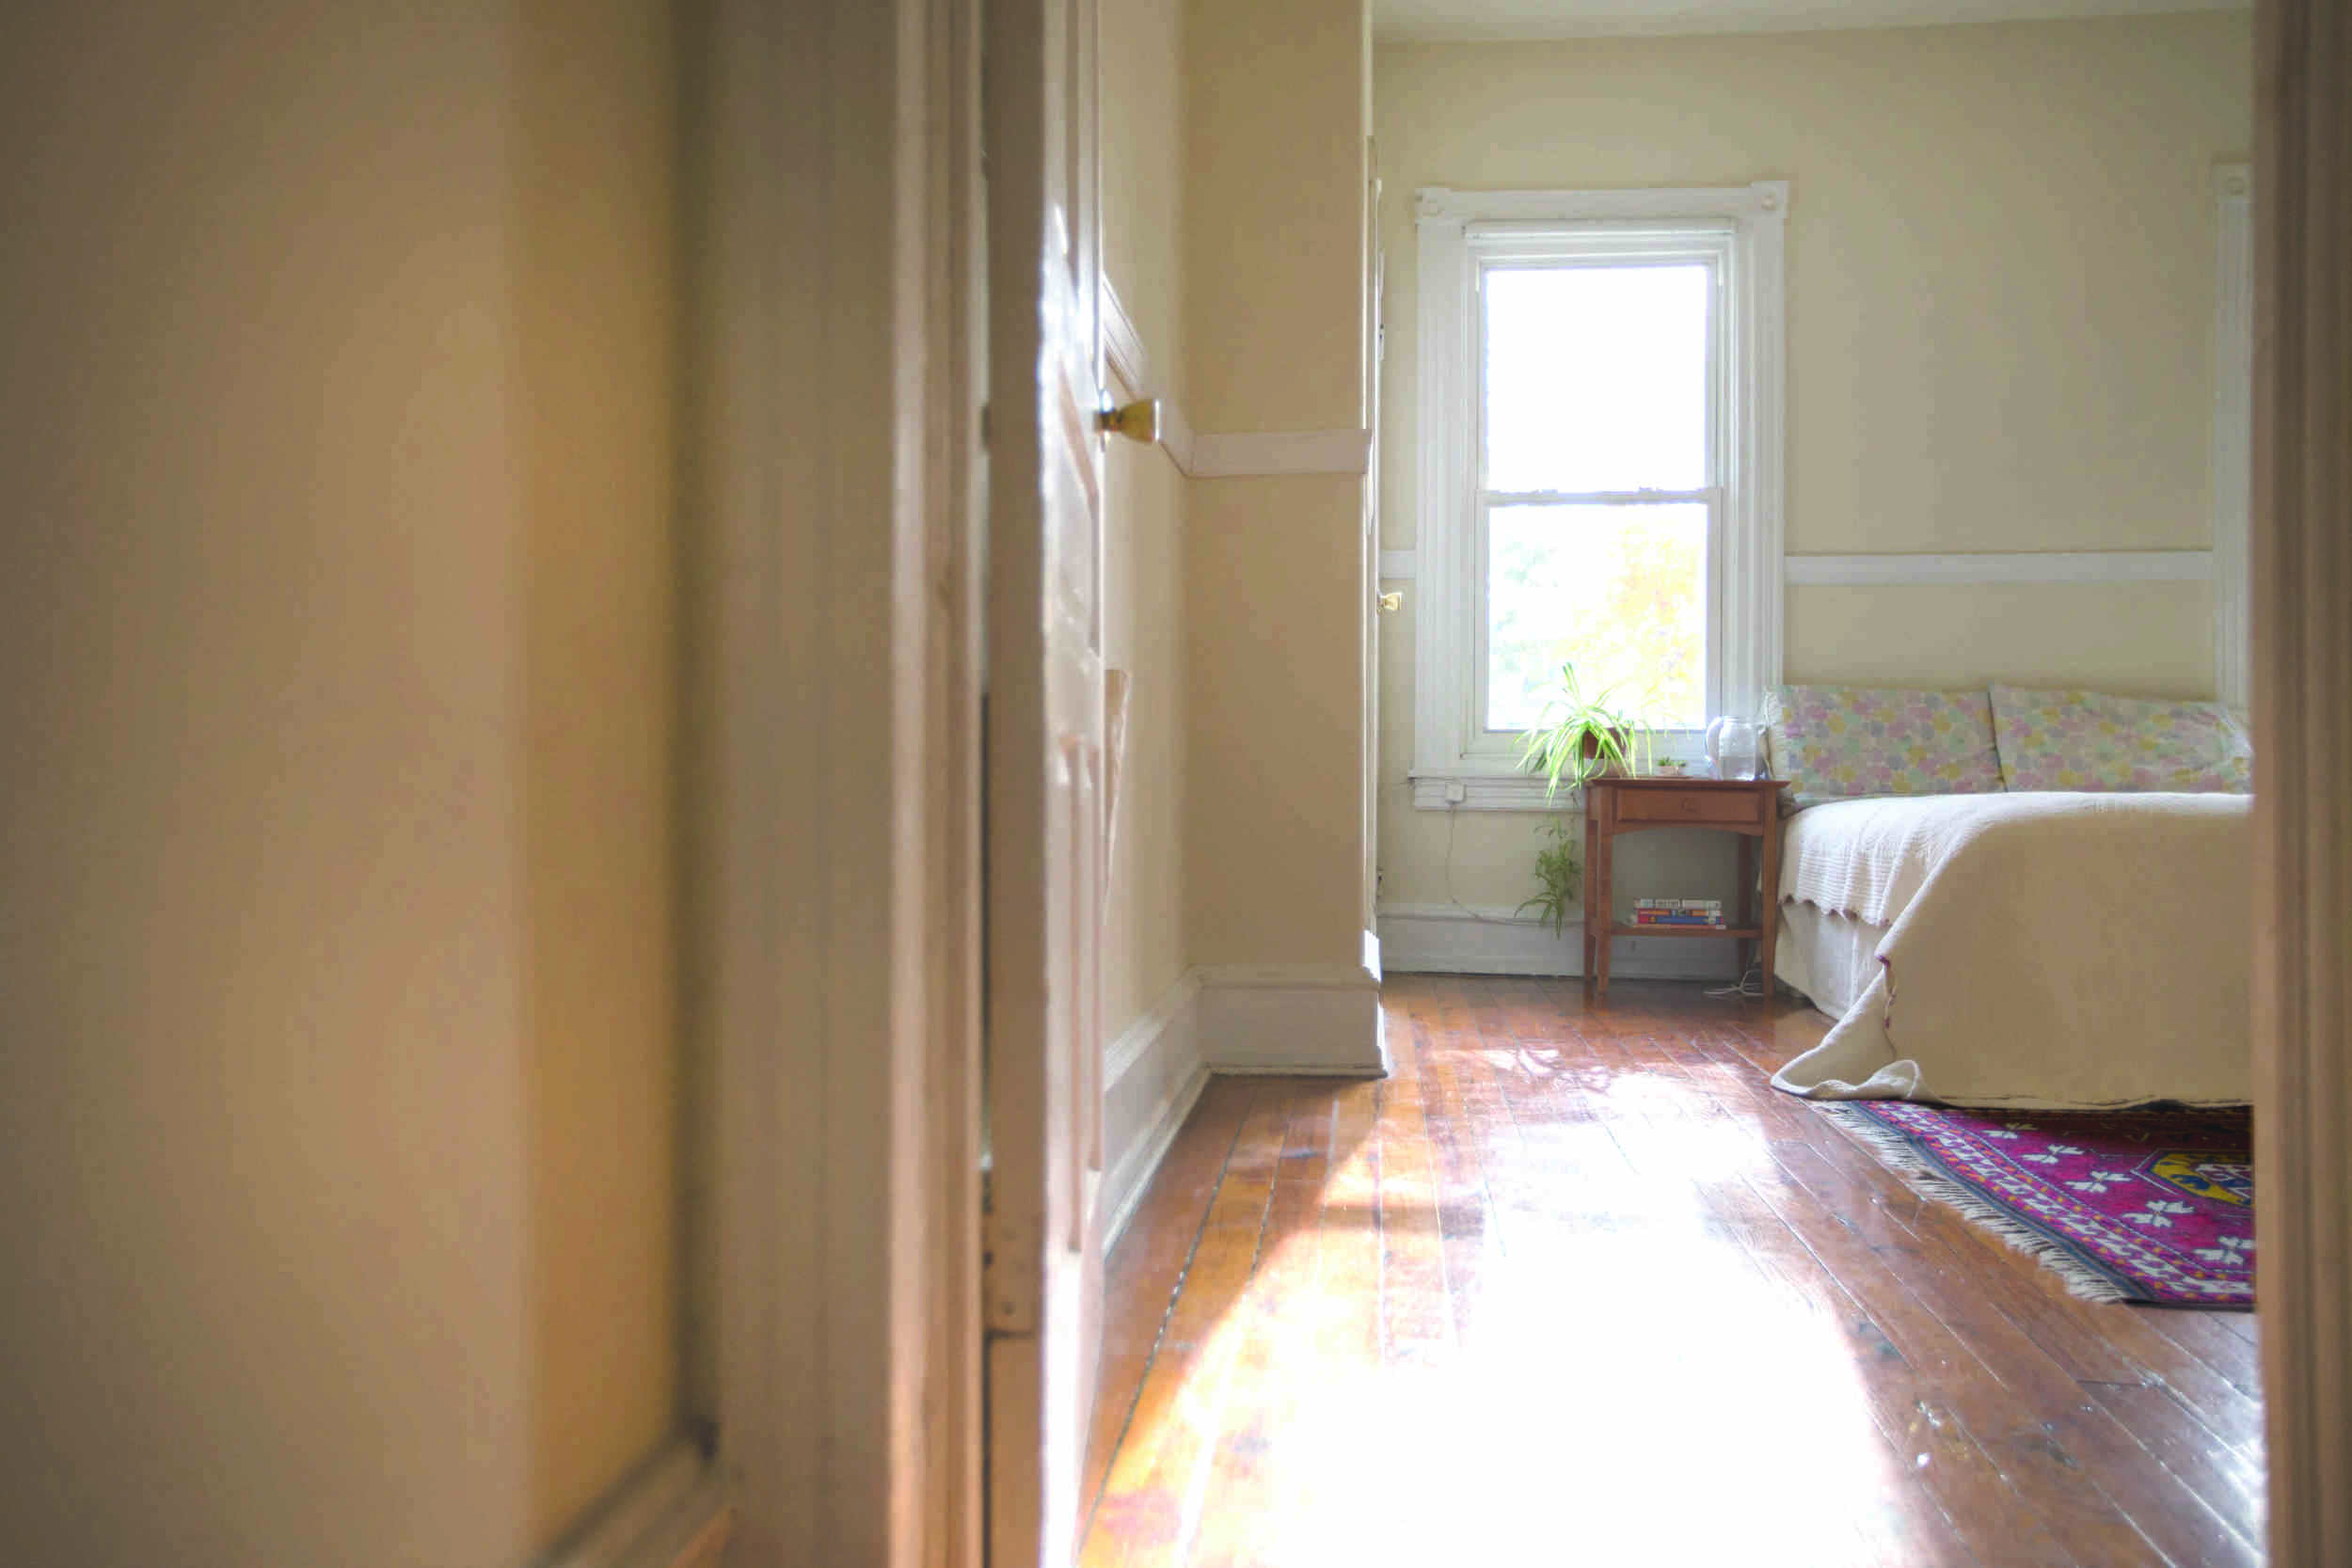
(1575, 1284)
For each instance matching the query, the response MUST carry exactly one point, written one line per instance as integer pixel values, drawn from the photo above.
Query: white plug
(1455, 792)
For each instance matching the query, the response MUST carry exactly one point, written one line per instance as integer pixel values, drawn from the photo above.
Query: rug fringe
(1898, 1155)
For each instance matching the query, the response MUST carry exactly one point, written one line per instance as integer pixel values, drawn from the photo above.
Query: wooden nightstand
(1748, 807)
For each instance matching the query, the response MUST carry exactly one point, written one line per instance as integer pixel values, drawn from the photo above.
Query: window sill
(1525, 791)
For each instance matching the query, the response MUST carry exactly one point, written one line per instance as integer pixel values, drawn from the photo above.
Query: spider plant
(1558, 878)
(1582, 736)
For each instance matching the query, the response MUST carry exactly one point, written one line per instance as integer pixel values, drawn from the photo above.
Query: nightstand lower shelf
(1745, 933)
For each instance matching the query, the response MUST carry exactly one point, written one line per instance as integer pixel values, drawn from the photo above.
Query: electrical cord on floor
(1750, 986)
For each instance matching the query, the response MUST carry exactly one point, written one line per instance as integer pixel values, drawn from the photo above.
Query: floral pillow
(2084, 740)
(1834, 742)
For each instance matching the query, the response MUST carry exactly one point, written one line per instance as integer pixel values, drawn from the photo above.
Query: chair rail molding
(1249, 454)
(1227, 454)
(1924, 571)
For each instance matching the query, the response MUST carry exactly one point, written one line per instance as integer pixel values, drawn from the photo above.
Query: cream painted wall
(595, 115)
(2000, 305)
(1145, 510)
(1144, 113)
(1275, 212)
(1275, 591)
(2159, 642)
(335, 349)
(1275, 840)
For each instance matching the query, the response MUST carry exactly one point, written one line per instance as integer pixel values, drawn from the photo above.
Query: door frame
(833, 607)
(848, 1416)
(2302, 668)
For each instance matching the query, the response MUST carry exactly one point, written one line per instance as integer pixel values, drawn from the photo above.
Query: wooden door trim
(2302, 669)
(832, 764)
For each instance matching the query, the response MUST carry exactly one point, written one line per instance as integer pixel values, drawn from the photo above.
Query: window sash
(1597, 248)
(1517, 249)
(1673, 741)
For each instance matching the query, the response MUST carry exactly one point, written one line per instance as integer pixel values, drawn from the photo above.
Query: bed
(1982, 938)
(2030, 949)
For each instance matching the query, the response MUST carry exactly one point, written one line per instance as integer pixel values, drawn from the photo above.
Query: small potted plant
(1579, 738)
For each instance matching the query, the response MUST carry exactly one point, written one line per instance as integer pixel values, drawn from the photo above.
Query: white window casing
(2233, 430)
(1740, 231)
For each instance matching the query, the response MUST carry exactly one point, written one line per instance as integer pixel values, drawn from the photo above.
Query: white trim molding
(1398, 565)
(1741, 230)
(1153, 1076)
(1127, 362)
(1256, 453)
(1312, 1020)
(1456, 938)
(1316, 1020)
(2233, 430)
(673, 1512)
(1123, 355)
(1921, 571)
(1236, 454)
(1491, 792)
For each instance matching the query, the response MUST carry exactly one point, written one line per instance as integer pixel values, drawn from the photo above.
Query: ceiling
(1405, 19)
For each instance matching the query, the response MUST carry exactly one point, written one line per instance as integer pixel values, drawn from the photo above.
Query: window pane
(1620, 591)
(1596, 378)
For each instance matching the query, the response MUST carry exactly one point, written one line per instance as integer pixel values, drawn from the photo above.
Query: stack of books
(1677, 911)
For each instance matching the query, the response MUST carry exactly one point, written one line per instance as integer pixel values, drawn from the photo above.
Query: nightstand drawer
(1691, 805)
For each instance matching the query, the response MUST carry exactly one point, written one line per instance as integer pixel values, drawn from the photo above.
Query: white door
(1041, 1290)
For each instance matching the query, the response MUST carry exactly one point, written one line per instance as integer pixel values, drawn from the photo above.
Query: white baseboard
(1124, 1185)
(1305, 1019)
(1152, 1074)
(673, 1512)
(1310, 1019)
(1448, 939)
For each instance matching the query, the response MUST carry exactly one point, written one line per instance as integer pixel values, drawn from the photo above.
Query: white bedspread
(2045, 949)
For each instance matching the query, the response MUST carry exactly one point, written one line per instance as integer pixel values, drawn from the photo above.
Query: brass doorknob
(1137, 421)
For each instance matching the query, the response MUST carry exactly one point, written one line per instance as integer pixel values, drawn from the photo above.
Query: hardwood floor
(1577, 1285)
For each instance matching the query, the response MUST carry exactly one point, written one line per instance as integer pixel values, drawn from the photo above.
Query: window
(1599, 446)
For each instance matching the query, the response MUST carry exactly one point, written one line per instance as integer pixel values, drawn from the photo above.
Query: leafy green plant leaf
(1559, 880)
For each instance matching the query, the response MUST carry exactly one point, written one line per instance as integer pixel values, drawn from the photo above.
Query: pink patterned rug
(2150, 1205)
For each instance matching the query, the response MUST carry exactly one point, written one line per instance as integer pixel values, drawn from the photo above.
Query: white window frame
(1456, 762)
(2232, 433)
